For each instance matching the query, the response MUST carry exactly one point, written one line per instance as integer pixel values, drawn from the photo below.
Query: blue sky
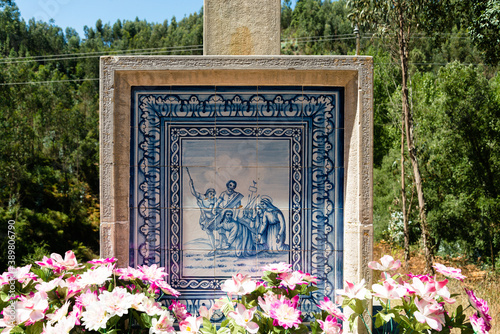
(78, 13)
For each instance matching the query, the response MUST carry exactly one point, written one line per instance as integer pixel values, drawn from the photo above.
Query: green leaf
(36, 328)
(113, 321)
(17, 330)
(224, 330)
(146, 320)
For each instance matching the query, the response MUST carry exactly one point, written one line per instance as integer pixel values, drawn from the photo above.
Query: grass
(486, 285)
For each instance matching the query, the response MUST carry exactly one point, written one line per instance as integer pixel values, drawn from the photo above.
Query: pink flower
(190, 325)
(479, 325)
(330, 325)
(239, 285)
(309, 278)
(179, 310)
(57, 263)
(388, 264)
(290, 280)
(129, 273)
(389, 289)
(481, 306)
(101, 262)
(267, 302)
(442, 291)
(243, 318)
(449, 271)
(4, 278)
(277, 268)
(430, 312)
(330, 307)
(165, 287)
(152, 273)
(357, 291)
(285, 313)
(426, 290)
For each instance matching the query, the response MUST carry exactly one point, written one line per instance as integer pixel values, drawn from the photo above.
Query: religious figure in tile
(206, 202)
(271, 226)
(235, 235)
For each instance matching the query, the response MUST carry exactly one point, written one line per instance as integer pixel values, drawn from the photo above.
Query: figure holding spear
(206, 202)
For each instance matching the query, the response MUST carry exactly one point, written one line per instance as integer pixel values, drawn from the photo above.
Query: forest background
(49, 114)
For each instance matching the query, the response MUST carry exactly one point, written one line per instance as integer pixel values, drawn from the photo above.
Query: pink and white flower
(426, 290)
(5, 278)
(163, 325)
(387, 264)
(59, 314)
(285, 313)
(331, 308)
(243, 318)
(330, 325)
(239, 285)
(479, 325)
(143, 303)
(357, 291)
(129, 273)
(430, 312)
(278, 268)
(481, 306)
(50, 285)
(152, 273)
(290, 280)
(389, 289)
(191, 324)
(179, 310)
(449, 271)
(22, 274)
(30, 310)
(165, 287)
(58, 264)
(103, 262)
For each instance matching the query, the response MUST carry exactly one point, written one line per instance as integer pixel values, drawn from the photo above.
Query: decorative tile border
(355, 74)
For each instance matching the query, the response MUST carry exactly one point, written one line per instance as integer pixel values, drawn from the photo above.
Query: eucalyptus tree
(399, 20)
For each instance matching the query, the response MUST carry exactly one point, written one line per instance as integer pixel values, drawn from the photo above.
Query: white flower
(63, 326)
(117, 302)
(95, 316)
(96, 277)
(239, 285)
(59, 314)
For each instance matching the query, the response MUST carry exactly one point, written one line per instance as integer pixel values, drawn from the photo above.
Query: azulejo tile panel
(228, 179)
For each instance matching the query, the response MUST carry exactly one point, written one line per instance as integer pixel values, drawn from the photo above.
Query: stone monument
(217, 164)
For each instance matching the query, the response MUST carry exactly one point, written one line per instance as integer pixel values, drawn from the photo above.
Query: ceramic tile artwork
(228, 179)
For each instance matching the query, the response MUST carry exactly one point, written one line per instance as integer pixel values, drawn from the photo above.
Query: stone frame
(353, 73)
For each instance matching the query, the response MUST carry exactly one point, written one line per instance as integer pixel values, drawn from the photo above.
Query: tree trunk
(403, 195)
(403, 54)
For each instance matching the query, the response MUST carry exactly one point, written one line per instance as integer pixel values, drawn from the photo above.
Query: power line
(104, 52)
(46, 82)
(132, 52)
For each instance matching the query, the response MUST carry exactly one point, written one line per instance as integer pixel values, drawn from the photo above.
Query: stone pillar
(238, 27)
